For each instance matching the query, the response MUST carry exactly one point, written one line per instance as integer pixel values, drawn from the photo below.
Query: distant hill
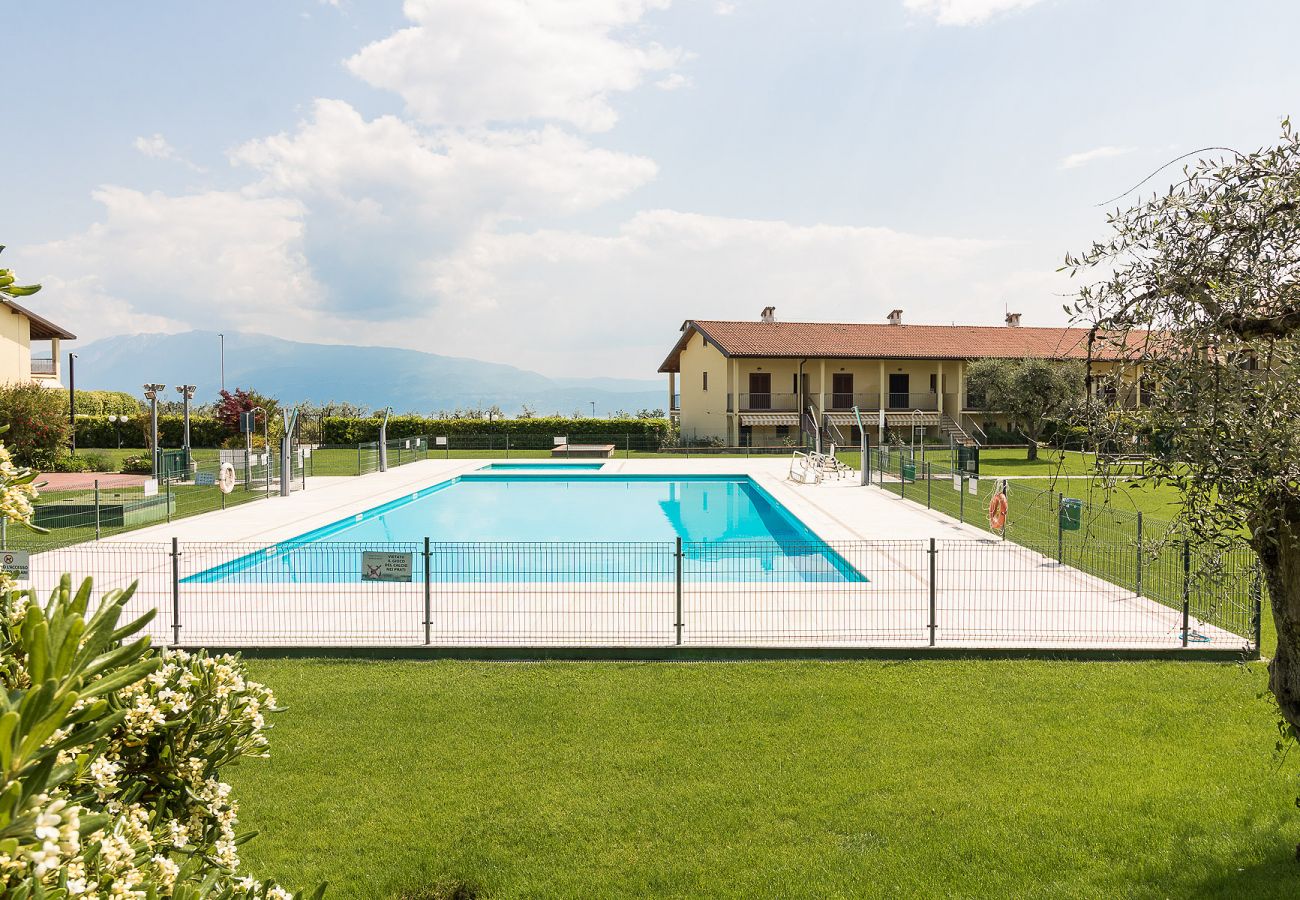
(407, 380)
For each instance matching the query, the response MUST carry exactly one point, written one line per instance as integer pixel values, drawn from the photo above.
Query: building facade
(764, 382)
(29, 346)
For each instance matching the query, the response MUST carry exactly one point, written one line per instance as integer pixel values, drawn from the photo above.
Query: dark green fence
(1222, 586)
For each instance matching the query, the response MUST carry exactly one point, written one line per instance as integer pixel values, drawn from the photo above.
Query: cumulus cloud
(1075, 160)
(155, 146)
(965, 12)
(468, 63)
(208, 258)
(562, 299)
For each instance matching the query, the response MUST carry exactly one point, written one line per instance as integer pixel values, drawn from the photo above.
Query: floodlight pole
(72, 400)
(151, 394)
(187, 394)
(222, 338)
(383, 439)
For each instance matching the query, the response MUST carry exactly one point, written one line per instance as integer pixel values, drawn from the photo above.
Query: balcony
(925, 401)
(44, 366)
(677, 403)
(768, 402)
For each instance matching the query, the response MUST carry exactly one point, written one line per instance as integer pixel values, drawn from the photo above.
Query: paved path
(71, 481)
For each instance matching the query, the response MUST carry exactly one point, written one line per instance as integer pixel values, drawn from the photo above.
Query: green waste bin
(908, 471)
(1071, 514)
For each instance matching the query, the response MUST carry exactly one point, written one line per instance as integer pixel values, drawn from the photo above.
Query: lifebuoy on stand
(998, 506)
(226, 479)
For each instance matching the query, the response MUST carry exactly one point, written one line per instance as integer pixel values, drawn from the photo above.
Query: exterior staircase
(952, 428)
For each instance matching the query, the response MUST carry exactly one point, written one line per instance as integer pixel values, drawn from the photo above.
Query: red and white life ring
(998, 511)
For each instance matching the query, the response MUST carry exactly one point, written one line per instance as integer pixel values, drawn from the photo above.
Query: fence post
(1060, 529)
(167, 482)
(176, 591)
(627, 444)
(678, 557)
(428, 608)
(961, 498)
(359, 472)
(507, 445)
(933, 593)
(1187, 589)
(1139, 555)
(96, 509)
(1257, 595)
(902, 477)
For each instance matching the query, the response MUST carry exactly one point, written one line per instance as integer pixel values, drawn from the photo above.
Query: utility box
(968, 459)
(1071, 514)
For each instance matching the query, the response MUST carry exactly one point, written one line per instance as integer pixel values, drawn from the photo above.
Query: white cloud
(451, 176)
(158, 147)
(965, 12)
(1075, 160)
(467, 62)
(158, 262)
(569, 303)
(725, 7)
(673, 81)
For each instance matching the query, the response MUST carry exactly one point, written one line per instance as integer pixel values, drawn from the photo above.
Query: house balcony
(768, 401)
(44, 367)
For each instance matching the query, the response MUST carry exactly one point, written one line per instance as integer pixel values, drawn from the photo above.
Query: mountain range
(294, 372)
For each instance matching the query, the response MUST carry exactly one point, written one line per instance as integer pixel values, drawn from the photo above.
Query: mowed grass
(795, 779)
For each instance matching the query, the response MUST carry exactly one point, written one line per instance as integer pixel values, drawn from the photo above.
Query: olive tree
(1032, 393)
(1197, 291)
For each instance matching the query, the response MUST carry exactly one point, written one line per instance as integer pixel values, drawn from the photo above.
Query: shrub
(37, 419)
(141, 464)
(97, 462)
(102, 403)
(70, 464)
(114, 755)
(97, 431)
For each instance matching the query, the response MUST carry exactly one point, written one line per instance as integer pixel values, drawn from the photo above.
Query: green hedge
(340, 430)
(103, 403)
(97, 431)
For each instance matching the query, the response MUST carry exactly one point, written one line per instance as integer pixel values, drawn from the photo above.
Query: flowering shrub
(38, 423)
(111, 755)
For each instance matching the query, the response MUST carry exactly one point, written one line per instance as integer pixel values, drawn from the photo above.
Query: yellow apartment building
(29, 346)
(760, 382)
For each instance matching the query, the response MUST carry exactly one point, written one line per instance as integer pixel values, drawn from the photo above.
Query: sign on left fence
(381, 566)
(14, 562)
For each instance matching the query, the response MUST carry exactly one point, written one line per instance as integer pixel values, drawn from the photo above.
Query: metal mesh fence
(981, 593)
(85, 508)
(1138, 553)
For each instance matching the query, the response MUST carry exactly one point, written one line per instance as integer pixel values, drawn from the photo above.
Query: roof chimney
(769, 313)
(896, 317)
(1013, 320)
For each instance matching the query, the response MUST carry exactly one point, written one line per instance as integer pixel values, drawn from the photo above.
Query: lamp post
(187, 394)
(593, 409)
(116, 422)
(151, 394)
(222, 337)
(72, 399)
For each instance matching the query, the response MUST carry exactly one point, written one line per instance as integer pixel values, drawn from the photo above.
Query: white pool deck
(988, 594)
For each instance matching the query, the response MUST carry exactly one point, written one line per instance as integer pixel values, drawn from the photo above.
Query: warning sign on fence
(376, 566)
(14, 562)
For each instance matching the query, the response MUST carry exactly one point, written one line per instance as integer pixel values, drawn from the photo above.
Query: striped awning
(911, 418)
(769, 418)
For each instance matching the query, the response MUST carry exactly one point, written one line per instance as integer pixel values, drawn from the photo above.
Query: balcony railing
(926, 401)
(43, 366)
(769, 400)
(677, 403)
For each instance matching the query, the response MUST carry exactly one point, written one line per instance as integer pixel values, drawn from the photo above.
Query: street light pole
(223, 360)
(151, 394)
(593, 409)
(72, 399)
(187, 394)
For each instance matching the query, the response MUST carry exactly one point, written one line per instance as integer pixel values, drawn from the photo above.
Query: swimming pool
(542, 467)
(506, 526)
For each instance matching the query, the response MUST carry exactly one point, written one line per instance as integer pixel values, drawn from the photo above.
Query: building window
(706, 381)
(934, 383)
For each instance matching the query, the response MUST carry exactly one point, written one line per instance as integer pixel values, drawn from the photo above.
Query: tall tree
(1033, 393)
(1200, 286)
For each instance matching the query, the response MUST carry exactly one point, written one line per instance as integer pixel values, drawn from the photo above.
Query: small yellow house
(758, 383)
(29, 346)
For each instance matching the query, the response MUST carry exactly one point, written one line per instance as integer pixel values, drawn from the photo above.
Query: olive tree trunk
(1277, 542)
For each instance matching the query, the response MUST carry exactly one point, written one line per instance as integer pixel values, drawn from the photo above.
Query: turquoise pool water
(542, 467)
(501, 526)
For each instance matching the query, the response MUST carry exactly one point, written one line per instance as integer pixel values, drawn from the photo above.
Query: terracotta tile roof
(843, 340)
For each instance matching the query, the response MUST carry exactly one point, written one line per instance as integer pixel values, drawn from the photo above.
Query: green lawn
(909, 779)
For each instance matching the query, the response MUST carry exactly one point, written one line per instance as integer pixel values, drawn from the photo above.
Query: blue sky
(558, 183)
